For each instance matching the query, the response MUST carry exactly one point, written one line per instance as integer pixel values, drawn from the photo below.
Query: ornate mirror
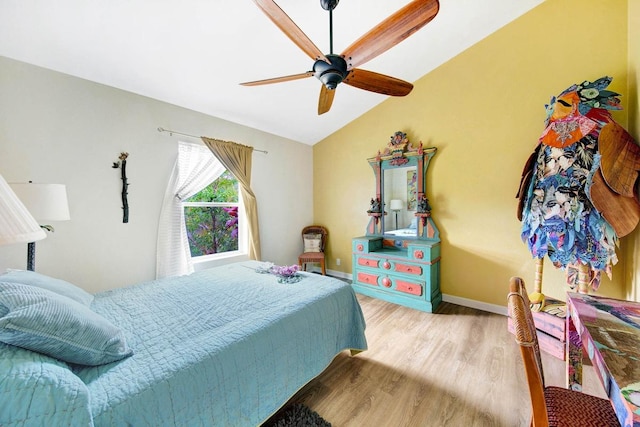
(400, 200)
(400, 208)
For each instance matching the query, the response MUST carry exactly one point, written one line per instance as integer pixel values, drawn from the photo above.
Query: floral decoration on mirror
(399, 145)
(424, 206)
(376, 206)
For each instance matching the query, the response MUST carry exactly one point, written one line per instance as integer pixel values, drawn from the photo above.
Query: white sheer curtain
(195, 168)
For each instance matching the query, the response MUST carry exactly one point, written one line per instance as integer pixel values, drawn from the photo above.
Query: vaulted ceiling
(194, 53)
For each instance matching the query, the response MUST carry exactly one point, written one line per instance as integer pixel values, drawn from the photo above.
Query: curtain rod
(171, 132)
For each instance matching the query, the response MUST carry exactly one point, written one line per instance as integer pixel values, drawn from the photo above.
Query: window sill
(209, 261)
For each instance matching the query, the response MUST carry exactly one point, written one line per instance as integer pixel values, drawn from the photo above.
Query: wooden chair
(314, 239)
(552, 406)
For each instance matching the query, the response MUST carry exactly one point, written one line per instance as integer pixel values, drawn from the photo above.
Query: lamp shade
(46, 202)
(17, 225)
(396, 205)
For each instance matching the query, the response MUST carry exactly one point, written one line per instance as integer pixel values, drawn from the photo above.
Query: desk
(609, 330)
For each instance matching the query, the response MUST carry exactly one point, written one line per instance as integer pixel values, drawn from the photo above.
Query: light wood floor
(456, 367)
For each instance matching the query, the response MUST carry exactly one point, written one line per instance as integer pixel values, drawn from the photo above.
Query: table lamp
(17, 225)
(46, 202)
(396, 205)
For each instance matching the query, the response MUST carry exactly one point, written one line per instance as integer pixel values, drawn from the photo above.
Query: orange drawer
(409, 288)
(368, 262)
(411, 269)
(370, 279)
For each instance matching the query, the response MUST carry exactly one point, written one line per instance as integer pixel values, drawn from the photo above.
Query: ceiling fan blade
(325, 100)
(279, 79)
(376, 82)
(391, 31)
(287, 26)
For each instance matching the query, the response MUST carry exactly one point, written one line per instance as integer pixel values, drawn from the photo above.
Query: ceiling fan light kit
(333, 69)
(330, 74)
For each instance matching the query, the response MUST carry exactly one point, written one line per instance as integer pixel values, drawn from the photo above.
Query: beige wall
(484, 111)
(55, 128)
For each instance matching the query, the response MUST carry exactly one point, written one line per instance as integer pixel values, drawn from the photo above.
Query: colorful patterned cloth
(558, 217)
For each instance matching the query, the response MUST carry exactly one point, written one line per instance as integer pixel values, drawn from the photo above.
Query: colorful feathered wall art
(577, 194)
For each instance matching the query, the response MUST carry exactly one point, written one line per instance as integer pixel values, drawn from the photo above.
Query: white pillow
(312, 242)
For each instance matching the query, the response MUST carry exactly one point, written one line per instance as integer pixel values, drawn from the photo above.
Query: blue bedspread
(224, 347)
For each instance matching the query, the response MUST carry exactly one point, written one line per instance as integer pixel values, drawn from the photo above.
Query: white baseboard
(339, 274)
(479, 305)
(465, 302)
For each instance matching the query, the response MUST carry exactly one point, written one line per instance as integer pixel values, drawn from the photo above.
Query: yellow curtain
(237, 159)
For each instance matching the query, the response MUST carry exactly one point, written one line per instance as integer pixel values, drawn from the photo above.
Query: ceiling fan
(333, 69)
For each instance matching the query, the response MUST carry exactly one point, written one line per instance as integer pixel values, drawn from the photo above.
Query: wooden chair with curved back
(314, 239)
(552, 406)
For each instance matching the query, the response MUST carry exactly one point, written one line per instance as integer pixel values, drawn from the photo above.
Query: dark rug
(297, 415)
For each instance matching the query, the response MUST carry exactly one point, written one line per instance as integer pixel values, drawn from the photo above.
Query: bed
(412, 230)
(402, 232)
(226, 346)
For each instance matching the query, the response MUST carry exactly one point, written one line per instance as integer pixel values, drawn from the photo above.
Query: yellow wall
(632, 246)
(484, 111)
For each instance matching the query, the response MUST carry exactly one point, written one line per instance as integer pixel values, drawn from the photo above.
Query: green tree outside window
(211, 217)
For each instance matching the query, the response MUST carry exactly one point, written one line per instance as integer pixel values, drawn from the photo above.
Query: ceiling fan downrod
(330, 5)
(331, 31)
(330, 74)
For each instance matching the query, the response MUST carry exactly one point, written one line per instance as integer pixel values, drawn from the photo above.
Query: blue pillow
(49, 283)
(52, 324)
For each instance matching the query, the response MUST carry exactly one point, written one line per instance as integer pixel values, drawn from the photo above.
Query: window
(212, 218)
(197, 223)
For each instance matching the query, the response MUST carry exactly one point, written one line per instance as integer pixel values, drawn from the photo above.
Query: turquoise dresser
(405, 272)
(393, 261)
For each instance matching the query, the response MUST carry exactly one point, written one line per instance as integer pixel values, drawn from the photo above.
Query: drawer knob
(386, 282)
(386, 265)
(360, 247)
(418, 254)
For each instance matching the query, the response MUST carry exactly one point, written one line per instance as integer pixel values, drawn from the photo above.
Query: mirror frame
(400, 153)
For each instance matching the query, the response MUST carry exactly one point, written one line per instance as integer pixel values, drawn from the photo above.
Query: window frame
(242, 227)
